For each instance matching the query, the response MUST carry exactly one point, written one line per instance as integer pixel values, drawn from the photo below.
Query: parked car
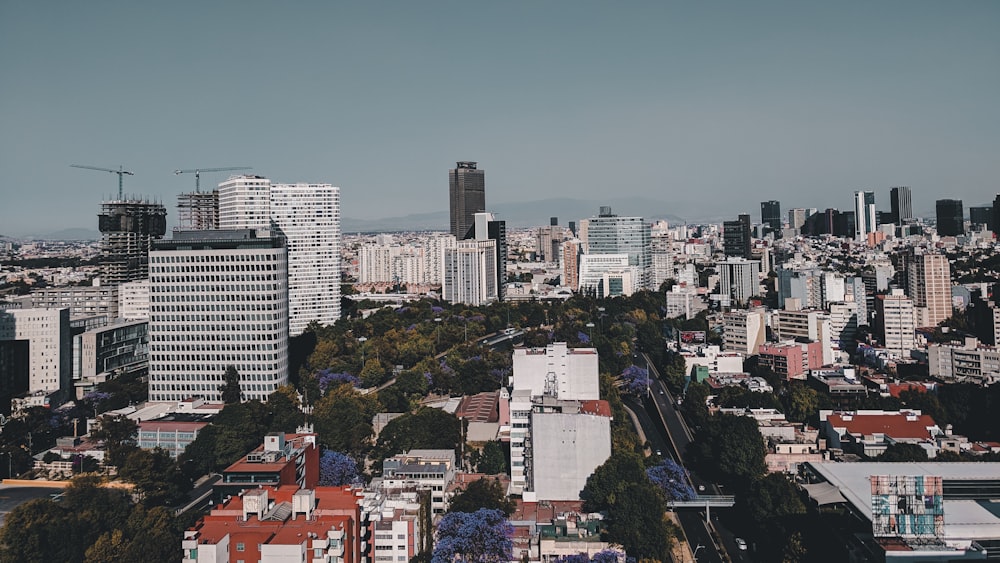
(741, 544)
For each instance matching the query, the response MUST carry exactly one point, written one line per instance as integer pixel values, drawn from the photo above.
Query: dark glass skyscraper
(466, 196)
(981, 216)
(736, 239)
(950, 217)
(770, 215)
(900, 205)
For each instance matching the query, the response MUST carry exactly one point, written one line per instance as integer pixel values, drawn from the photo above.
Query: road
(12, 496)
(662, 405)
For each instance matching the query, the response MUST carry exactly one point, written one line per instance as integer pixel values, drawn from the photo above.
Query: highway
(661, 405)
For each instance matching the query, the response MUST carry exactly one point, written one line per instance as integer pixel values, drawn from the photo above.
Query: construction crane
(197, 173)
(121, 172)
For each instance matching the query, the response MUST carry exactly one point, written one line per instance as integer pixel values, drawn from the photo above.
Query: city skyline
(697, 106)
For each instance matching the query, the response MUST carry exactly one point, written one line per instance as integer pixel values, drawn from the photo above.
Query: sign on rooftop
(907, 506)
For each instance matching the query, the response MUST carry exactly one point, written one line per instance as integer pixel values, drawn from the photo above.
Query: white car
(741, 544)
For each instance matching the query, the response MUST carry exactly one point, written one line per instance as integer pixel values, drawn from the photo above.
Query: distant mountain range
(527, 214)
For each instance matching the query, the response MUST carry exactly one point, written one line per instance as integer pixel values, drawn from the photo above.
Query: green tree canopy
(427, 428)
(903, 452)
(231, 392)
(482, 493)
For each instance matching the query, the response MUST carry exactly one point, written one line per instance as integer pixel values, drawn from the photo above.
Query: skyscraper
(308, 216)
(865, 219)
(466, 195)
(900, 205)
(770, 215)
(245, 203)
(610, 234)
(797, 218)
(929, 286)
(470, 272)
(981, 216)
(127, 229)
(950, 217)
(736, 237)
(217, 299)
(739, 279)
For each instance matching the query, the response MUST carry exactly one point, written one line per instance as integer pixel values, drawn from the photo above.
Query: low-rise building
(282, 460)
(870, 432)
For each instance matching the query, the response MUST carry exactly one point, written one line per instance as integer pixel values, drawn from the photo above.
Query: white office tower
(895, 315)
(744, 331)
(865, 220)
(662, 257)
(133, 300)
(245, 203)
(217, 299)
(740, 279)
(470, 273)
(308, 216)
(610, 234)
(606, 275)
(45, 333)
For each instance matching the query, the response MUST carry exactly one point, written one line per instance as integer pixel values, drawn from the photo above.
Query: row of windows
(213, 357)
(252, 267)
(215, 375)
(157, 336)
(212, 258)
(242, 288)
(267, 328)
(211, 368)
(268, 387)
(190, 348)
(191, 317)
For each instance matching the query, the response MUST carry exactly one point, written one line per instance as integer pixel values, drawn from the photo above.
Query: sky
(711, 107)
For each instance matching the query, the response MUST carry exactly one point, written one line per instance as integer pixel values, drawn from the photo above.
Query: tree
(482, 493)
(672, 479)
(491, 460)
(343, 419)
(607, 482)
(427, 428)
(337, 469)
(801, 403)
(636, 520)
(483, 536)
(730, 448)
(903, 452)
(157, 479)
(109, 548)
(119, 436)
(283, 410)
(231, 392)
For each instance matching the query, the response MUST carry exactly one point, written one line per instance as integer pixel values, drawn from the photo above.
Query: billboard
(907, 506)
(693, 336)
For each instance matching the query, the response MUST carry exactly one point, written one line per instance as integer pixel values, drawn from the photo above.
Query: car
(659, 453)
(742, 545)
(701, 488)
(661, 391)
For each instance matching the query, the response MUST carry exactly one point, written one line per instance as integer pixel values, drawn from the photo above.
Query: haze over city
(709, 108)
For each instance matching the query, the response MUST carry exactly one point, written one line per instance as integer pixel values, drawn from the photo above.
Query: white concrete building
(744, 331)
(557, 371)
(740, 279)
(50, 347)
(217, 299)
(245, 203)
(470, 273)
(683, 301)
(308, 216)
(569, 440)
(593, 268)
(133, 300)
(896, 318)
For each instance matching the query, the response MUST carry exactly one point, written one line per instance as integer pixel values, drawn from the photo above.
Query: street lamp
(601, 316)
(590, 330)
(695, 554)
(437, 333)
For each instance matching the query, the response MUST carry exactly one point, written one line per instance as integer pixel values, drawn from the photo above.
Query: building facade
(865, 217)
(308, 217)
(466, 196)
(470, 273)
(218, 299)
(950, 217)
(610, 234)
(245, 203)
(128, 227)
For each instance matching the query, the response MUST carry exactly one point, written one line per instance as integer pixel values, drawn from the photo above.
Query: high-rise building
(929, 286)
(865, 217)
(739, 279)
(981, 216)
(571, 251)
(308, 216)
(894, 320)
(610, 234)
(736, 237)
(996, 213)
(198, 211)
(662, 258)
(744, 331)
(770, 215)
(127, 229)
(245, 203)
(466, 195)
(217, 299)
(950, 217)
(49, 349)
(797, 218)
(900, 205)
(470, 273)
(485, 226)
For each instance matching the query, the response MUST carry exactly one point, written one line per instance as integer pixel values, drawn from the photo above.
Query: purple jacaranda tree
(327, 379)
(582, 337)
(636, 379)
(483, 536)
(672, 479)
(337, 469)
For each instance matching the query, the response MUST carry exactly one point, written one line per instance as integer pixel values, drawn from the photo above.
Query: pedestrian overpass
(708, 502)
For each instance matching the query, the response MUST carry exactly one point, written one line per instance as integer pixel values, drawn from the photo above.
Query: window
(241, 546)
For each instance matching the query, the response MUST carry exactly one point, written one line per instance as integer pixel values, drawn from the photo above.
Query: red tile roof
(483, 407)
(599, 407)
(892, 425)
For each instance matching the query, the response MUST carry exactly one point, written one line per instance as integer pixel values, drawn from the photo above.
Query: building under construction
(128, 226)
(198, 211)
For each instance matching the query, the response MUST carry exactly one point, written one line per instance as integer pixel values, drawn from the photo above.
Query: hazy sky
(729, 103)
